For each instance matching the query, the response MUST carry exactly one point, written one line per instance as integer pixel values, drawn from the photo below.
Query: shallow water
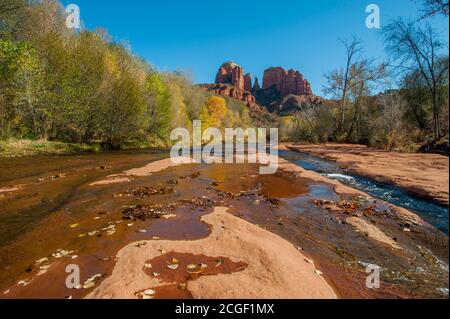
(37, 219)
(435, 214)
(53, 193)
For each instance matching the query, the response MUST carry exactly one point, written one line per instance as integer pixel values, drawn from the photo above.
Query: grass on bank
(18, 148)
(26, 147)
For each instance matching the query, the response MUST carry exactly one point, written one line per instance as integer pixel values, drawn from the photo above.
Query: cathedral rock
(286, 82)
(231, 73)
(281, 91)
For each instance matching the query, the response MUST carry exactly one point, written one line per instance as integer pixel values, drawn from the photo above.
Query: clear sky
(198, 35)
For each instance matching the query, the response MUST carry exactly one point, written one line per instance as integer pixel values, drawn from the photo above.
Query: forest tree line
(411, 112)
(83, 87)
(58, 84)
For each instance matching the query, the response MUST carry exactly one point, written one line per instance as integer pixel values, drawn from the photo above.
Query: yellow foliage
(111, 65)
(213, 113)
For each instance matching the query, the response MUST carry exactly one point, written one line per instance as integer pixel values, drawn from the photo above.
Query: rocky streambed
(137, 226)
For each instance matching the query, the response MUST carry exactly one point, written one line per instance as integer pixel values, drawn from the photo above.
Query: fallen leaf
(42, 260)
(172, 266)
(220, 262)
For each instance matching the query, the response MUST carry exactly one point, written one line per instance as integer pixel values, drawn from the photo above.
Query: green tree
(159, 109)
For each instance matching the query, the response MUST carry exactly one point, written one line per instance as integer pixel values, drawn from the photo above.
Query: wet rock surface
(90, 225)
(176, 270)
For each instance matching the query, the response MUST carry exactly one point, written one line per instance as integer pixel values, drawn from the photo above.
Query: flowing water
(47, 203)
(433, 213)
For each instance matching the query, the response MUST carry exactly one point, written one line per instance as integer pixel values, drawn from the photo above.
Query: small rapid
(433, 213)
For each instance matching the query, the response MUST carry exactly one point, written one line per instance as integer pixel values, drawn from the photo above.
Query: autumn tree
(12, 17)
(213, 112)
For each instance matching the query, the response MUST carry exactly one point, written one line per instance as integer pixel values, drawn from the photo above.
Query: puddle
(175, 270)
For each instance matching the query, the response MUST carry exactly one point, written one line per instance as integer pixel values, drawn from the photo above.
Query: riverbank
(18, 148)
(423, 175)
(14, 148)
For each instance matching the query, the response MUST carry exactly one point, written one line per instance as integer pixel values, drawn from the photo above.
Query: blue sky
(197, 36)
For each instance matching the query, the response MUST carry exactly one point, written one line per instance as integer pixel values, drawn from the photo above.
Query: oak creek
(54, 197)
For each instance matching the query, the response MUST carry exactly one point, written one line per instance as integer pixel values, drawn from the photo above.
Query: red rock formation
(231, 82)
(248, 82)
(231, 73)
(292, 103)
(229, 90)
(256, 86)
(290, 82)
(282, 91)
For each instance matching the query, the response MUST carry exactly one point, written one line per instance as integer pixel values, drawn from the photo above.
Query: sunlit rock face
(281, 92)
(231, 73)
(286, 82)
